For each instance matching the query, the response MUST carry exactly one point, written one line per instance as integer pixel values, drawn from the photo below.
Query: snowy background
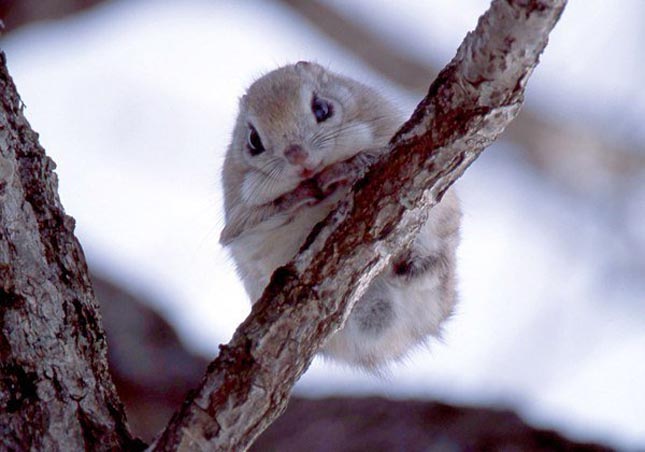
(135, 102)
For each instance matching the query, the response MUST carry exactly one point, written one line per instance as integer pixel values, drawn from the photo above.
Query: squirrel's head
(295, 121)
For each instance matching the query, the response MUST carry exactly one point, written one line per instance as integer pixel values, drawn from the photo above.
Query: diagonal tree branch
(550, 145)
(467, 107)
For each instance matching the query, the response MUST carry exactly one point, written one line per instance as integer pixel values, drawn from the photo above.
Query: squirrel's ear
(243, 100)
(303, 65)
(308, 67)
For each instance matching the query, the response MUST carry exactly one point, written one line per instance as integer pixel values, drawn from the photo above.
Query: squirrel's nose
(295, 154)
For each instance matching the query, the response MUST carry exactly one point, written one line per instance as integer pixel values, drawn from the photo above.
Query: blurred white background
(135, 102)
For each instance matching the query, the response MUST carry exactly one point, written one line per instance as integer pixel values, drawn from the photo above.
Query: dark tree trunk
(55, 390)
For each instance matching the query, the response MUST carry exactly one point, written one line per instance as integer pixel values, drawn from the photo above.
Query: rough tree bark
(550, 145)
(55, 389)
(467, 107)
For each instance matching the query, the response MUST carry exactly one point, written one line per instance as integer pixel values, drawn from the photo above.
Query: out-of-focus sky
(135, 101)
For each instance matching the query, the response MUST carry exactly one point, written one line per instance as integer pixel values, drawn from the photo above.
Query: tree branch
(549, 145)
(55, 389)
(467, 107)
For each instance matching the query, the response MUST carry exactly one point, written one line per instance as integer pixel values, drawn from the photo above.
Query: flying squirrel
(302, 136)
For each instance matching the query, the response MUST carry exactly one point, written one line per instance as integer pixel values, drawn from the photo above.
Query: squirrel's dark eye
(321, 109)
(254, 142)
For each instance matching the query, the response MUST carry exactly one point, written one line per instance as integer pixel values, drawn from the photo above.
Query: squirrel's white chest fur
(272, 244)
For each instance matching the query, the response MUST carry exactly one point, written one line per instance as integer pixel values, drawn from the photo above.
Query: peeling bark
(467, 107)
(55, 390)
